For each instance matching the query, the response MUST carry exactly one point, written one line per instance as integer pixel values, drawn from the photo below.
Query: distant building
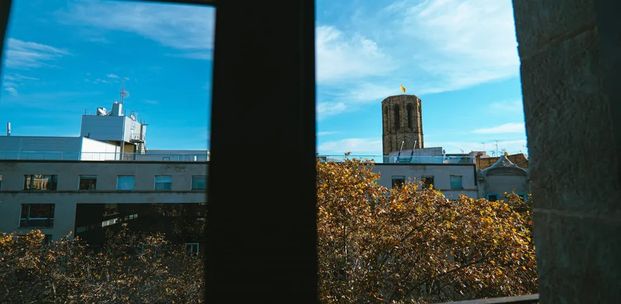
(503, 177)
(452, 179)
(92, 183)
(485, 161)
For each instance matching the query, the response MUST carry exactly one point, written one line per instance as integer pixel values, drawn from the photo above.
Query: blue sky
(459, 56)
(65, 57)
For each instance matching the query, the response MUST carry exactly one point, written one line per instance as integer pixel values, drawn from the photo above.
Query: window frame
(397, 181)
(125, 175)
(285, 249)
(80, 177)
(461, 182)
(29, 218)
(425, 185)
(204, 188)
(155, 182)
(54, 182)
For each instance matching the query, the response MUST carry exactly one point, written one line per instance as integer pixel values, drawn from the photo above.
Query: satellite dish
(101, 111)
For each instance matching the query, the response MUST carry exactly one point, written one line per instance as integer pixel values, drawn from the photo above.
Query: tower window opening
(409, 111)
(397, 117)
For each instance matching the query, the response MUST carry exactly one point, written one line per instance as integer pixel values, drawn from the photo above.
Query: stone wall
(569, 52)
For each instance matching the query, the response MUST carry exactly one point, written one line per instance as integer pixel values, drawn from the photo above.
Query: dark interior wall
(569, 52)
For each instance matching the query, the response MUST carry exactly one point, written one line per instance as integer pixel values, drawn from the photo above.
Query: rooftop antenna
(123, 92)
(413, 147)
(399, 154)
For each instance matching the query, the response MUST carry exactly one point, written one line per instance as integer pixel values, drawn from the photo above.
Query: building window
(192, 248)
(398, 181)
(409, 112)
(397, 117)
(125, 182)
(40, 182)
(163, 182)
(88, 182)
(427, 182)
(37, 215)
(456, 182)
(492, 197)
(199, 182)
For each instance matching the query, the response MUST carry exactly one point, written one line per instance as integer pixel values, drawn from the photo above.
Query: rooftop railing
(394, 159)
(102, 156)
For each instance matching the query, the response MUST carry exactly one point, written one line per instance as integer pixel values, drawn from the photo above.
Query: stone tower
(402, 120)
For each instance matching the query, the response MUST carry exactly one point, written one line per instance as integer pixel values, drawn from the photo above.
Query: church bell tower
(402, 123)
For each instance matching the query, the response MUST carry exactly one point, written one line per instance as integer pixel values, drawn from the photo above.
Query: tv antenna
(123, 92)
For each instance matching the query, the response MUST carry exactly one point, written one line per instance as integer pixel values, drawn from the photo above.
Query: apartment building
(60, 197)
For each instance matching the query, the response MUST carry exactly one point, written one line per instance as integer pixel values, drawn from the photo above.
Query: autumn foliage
(131, 268)
(379, 245)
(376, 245)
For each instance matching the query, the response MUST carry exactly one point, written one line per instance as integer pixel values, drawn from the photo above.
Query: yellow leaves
(410, 234)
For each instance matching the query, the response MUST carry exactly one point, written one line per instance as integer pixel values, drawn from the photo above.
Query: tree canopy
(409, 244)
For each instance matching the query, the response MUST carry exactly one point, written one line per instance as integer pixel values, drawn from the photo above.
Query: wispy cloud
(23, 54)
(512, 107)
(327, 133)
(353, 97)
(327, 109)
(513, 127)
(108, 78)
(353, 145)
(430, 46)
(187, 28)
(465, 42)
(12, 81)
(344, 56)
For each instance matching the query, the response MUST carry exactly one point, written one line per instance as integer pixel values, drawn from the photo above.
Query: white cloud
(513, 127)
(344, 56)
(327, 133)
(353, 97)
(354, 145)
(11, 82)
(465, 42)
(431, 46)
(27, 54)
(326, 109)
(512, 107)
(11, 90)
(112, 76)
(189, 28)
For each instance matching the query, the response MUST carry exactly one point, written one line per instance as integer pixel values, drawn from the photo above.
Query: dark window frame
(28, 221)
(266, 251)
(193, 188)
(397, 181)
(425, 181)
(87, 177)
